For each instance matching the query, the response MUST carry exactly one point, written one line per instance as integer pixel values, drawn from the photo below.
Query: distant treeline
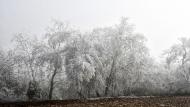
(105, 62)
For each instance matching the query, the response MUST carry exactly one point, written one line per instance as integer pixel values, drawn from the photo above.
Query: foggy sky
(161, 21)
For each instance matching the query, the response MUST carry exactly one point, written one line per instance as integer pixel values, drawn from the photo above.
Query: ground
(172, 101)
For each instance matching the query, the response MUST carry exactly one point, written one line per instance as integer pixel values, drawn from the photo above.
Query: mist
(62, 50)
(160, 21)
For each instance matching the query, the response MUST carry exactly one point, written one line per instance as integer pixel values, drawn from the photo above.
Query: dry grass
(110, 102)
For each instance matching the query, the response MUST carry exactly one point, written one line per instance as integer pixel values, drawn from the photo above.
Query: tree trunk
(109, 79)
(183, 63)
(52, 84)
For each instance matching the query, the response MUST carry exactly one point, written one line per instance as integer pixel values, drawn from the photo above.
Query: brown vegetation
(109, 102)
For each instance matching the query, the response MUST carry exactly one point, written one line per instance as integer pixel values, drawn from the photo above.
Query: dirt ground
(109, 102)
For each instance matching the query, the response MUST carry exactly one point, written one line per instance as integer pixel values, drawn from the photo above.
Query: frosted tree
(119, 52)
(58, 37)
(177, 61)
(26, 59)
(178, 55)
(8, 82)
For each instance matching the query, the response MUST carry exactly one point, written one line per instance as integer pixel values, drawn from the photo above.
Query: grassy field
(109, 102)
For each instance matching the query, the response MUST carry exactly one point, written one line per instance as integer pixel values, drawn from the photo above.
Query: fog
(55, 50)
(161, 21)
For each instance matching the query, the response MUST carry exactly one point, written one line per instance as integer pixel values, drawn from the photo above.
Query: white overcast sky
(161, 21)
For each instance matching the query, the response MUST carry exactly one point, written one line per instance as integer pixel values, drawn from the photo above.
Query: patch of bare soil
(109, 102)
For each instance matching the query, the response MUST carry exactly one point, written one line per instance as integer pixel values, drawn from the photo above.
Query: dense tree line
(106, 62)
